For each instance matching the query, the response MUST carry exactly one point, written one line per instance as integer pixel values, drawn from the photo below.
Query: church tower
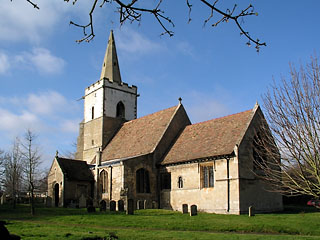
(107, 104)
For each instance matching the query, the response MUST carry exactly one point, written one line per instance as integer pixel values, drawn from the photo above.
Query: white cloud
(39, 59)
(132, 42)
(4, 63)
(44, 61)
(47, 103)
(70, 125)
(21, 22)
(15, 123)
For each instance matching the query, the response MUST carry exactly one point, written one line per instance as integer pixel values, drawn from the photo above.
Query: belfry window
(180, 182)
(92, 112)
(104, 181)
(207, 176)
(142, 181)
(120, 110)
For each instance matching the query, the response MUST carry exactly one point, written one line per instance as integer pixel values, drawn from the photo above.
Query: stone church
(160, 160)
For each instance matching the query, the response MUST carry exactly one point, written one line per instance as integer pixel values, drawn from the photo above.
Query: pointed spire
(110, 66)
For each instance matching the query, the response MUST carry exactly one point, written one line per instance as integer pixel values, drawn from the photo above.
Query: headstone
(91, 209)
(48, 201)
(103, 206)
(140, 204)
(130, 207)
(193, 210)
(120, 206)
(82, 201)
(3, 199)
(154, 205)
(112, 206)
(251, 211)
(184, 208)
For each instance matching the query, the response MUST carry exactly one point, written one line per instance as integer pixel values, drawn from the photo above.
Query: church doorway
(56, 194)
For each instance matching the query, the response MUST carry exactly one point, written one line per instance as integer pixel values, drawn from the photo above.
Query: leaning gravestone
(193, 210)
(120, 206)
(184, 208)
(130, 207)
(82, 202)
(112, 206)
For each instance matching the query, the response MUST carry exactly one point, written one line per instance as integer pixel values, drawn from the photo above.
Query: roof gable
(215, 137)
(140, 136)
(75, 169)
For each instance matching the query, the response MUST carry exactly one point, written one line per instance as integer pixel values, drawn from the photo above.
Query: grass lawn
(67, 223)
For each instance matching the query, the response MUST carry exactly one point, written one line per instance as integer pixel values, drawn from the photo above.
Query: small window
(92, 112)
(180, 182)
(207, 176)
(142, 181)
(165, 181)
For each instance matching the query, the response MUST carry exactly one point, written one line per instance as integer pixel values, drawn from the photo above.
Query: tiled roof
(75, 169)
(208, 139)
(139, 136)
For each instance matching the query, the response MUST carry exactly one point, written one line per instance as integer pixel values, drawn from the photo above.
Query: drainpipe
(96, 184)
(228, 184)
(110, 181)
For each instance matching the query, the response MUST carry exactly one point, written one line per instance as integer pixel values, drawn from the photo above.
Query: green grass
(67, 223)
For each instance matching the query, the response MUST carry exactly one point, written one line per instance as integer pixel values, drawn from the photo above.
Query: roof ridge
(150, 114)
(220, 117)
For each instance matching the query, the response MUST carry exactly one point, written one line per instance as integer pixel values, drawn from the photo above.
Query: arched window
(180, 182)
(120, 110)
(142, 181)
(92, 112)
(104, 181)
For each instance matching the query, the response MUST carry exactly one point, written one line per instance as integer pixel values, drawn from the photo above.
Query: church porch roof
(75, 169)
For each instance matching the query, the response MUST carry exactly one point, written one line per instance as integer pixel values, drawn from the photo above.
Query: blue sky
(43, 71)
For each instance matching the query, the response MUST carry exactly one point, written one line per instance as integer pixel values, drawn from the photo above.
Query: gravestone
(82, 201)
(120, 206)
(48, 201)
(154, 205)
(193, 210)
(112, 206)
(251, 211)
(130, 207)
(184, 208)
(140, 204)
(103, 206)
(91, 209)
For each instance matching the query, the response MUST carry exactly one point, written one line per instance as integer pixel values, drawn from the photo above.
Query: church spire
(110, 67)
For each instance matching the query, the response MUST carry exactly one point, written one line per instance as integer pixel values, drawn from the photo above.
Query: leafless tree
(32, 160)
(293, 113)
(13, 171)
(133, 10)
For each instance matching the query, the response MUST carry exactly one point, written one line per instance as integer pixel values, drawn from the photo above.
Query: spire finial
(180, 100)
(57, 154)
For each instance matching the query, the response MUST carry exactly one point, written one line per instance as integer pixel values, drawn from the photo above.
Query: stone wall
(254, 192)
(213, 199)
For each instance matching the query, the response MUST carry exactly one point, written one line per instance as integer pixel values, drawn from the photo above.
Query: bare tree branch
(293, 113)
(132, 13)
